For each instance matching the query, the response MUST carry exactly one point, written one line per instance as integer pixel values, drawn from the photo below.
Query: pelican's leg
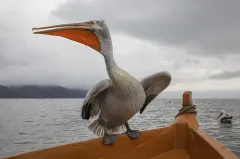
(108, 139)
(132, 133)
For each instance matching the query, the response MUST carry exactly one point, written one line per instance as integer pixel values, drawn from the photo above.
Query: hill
(32, 91)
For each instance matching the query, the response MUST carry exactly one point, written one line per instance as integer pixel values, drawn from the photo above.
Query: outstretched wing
(153, 85)
(90, 106)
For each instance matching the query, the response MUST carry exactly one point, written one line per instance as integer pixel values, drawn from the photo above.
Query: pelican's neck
(110, 62)
(115, 73)
(107, 52)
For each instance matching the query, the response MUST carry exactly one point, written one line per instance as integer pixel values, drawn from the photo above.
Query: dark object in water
(226, 119)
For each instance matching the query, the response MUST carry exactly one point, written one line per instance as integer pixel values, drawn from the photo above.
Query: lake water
(32, 124)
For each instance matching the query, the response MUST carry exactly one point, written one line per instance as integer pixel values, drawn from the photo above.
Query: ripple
(43, 123)
(29, 121)
(49, 143)
(25, 142)
(22, 133)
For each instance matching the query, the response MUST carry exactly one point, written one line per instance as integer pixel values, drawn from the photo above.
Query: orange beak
(79, 32)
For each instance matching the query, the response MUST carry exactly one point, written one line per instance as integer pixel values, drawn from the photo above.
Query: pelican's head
(94, 33)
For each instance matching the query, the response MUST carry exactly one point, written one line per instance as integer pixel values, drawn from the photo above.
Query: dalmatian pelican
(119, 98)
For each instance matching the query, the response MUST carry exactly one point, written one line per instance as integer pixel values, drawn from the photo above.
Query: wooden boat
(181, 139)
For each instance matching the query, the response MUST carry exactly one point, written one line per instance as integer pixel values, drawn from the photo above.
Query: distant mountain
(32, 91)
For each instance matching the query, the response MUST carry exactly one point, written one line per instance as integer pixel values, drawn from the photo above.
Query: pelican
(119, 98)
(224, 117)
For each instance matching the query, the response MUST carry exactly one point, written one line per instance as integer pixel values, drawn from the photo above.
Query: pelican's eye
(92, 22)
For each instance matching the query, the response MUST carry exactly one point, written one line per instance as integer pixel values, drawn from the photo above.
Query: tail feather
(98, 129)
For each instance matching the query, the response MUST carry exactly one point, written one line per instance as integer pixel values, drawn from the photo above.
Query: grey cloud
(8, 59)
(31, 59)
(36, 59)
(226, 75)
(193, 61)
(179, 64)
(202, 27)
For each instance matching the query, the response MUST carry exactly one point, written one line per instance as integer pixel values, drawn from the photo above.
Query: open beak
(79, 32)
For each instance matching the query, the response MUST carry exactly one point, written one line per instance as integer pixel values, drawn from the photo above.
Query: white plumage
(117, 99)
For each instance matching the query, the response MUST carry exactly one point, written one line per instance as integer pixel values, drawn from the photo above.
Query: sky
(198, 42)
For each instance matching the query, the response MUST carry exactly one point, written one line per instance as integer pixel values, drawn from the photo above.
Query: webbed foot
(134, 134)
(109, 139)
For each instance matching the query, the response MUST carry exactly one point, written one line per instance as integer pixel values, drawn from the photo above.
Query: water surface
(32, 124)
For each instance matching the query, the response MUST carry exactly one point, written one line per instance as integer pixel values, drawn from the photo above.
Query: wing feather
(90, 106)
(154, 85)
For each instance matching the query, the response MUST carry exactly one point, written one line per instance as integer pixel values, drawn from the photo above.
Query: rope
(187, 108)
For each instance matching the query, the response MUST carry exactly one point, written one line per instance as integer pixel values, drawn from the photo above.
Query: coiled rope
(187, 108)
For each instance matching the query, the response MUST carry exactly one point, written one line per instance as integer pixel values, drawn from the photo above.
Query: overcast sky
(198, 42)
